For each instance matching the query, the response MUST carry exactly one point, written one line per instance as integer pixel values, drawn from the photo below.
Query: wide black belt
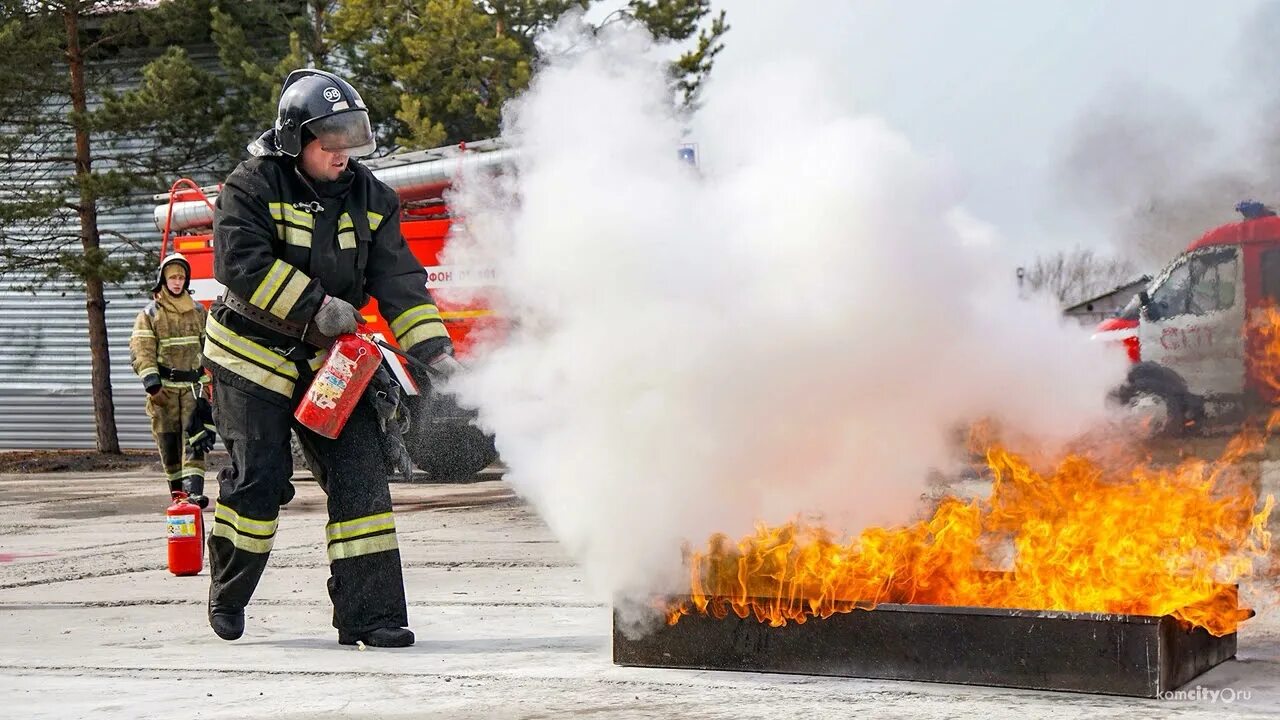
(180, 375)
(261, 317)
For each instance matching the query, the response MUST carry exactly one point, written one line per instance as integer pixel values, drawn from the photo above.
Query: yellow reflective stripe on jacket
(148, 371)
(360, 526)
(217, 355)
(294, 236)
(288, 297)
(426, 331)
(362, 546)
(414, 315)
(267, 359)
(183, 340)
(248, 359)
(374, 220)
(346, 233)
(284, 212)
(417, 323)
(142, 334)
(293, 226)
(270, 285)
(280, 289)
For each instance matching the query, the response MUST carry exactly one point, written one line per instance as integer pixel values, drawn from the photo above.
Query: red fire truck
(1196, 333)
(447, 448)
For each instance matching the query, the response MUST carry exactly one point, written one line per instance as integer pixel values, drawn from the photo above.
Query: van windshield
(1131, 309)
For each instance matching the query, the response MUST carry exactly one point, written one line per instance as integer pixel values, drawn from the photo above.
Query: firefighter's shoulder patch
(151, 309)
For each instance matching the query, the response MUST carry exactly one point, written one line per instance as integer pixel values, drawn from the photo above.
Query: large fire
(1087, 535)
(1076, 538)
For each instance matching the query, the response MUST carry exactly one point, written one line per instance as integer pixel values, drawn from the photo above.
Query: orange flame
(1089, 535)
(1263, 345)
(1145, 541)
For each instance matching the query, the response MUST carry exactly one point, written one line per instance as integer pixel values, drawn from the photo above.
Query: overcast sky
(996, 89)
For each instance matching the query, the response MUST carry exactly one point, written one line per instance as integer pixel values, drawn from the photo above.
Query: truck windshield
(1201, 283)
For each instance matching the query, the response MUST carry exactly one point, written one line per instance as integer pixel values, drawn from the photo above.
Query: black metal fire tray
(1135, 655)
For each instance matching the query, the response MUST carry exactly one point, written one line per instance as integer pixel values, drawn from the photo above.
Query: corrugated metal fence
(44, 371)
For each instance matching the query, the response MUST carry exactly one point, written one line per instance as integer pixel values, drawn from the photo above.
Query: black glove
(152, 384)
(393, 420)
(201, 433)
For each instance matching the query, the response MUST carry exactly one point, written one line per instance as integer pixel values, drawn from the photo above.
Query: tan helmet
(168, 260)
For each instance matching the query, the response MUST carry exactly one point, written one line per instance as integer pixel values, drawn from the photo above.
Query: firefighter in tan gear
(165, 350)
(303, 236)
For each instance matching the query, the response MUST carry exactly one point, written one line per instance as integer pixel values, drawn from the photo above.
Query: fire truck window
(1271, 274)
(1170, 298)
(1213, 282)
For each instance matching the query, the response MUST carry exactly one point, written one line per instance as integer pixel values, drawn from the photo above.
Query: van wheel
(444, 443)
(1160, 403)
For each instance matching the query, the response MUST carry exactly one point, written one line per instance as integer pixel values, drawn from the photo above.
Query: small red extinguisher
(338, 385)
(186, 536)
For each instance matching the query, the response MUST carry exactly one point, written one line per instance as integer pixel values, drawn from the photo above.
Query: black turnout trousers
(366, 584)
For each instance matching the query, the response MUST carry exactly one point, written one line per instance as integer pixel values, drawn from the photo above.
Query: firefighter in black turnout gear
(303, 236)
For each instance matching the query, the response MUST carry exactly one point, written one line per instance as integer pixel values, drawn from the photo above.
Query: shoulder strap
(358, 209)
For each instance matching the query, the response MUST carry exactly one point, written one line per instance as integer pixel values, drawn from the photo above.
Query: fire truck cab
(1194, 333)
(443, 443)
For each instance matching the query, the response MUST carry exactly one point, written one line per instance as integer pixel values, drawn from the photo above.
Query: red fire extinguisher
(186, 536)
(338, 385)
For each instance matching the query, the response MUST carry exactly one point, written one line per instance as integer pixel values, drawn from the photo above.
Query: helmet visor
(347, 132)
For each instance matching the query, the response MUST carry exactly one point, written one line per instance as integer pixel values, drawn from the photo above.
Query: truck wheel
(445, 443)
(1160, 400)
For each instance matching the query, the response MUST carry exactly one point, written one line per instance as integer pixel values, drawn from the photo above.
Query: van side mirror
(1144, 298)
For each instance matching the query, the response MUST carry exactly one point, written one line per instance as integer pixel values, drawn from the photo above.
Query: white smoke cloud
(794, 329)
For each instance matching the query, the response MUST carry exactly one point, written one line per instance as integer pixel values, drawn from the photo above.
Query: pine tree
(437, 71)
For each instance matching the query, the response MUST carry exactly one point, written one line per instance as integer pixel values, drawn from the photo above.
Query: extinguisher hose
(420, 364)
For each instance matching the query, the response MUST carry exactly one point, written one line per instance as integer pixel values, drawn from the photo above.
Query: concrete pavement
(92, 625)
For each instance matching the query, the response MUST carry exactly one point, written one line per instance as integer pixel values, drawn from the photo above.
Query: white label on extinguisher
(182, 526)
(331, 381)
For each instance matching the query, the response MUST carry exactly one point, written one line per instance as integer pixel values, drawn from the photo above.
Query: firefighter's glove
(336, 317)
(201, 433)
(151, 383)
(437, 371)
(393, 420)
(384, 394)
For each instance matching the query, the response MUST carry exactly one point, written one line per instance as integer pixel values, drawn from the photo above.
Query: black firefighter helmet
(168, 260)
(328, 108)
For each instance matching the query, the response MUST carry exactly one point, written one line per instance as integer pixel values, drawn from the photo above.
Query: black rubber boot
(194, 487)
(378, 637)
(228, 624)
